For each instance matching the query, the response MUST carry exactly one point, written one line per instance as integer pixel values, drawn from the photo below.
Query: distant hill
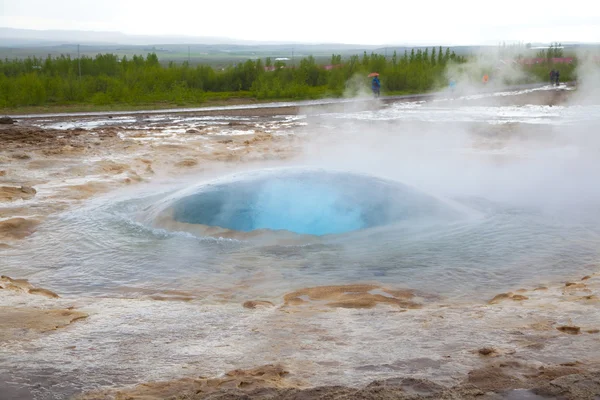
(216, 51)
(10, 37)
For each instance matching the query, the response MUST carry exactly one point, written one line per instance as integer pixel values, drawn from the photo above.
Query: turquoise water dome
(310, 202)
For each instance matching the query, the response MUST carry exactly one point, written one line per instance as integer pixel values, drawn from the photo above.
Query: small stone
(7, 121)
(498, 298)
(486, 351)
(253, 304)
(44, 292)
(585, 278)
(593, 331)
(506, 296)
(571, 330)
(518, 297)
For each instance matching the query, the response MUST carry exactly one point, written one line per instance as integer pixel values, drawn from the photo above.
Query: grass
(71, 108)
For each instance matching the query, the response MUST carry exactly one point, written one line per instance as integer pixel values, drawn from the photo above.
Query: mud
(19, 323)
(351, 296)
(495, 381)
(17, 228)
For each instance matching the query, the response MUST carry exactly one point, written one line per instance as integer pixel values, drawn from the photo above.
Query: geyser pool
(313, 202)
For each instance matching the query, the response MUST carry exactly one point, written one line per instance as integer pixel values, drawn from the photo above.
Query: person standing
(556, 77)
(376, 86)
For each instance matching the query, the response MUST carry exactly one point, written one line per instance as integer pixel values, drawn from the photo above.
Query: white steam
(551, 165)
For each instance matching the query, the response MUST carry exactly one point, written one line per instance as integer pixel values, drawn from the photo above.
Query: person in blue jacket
(376, 86)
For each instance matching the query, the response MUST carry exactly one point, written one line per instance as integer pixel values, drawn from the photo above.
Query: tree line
(108, 79)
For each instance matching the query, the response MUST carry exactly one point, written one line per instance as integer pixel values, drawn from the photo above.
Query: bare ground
(43, 171)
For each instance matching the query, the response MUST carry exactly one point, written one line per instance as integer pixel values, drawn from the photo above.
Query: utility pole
(188, 54)
(293, 57)
(79, 61)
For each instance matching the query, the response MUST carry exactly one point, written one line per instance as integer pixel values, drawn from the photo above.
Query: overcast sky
(361, 22)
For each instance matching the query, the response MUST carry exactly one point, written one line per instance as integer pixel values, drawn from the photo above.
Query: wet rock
(411, 386)
(17, 228)
(499, 376)
(189, 162)
(518, 297)
(21, 156)
(499, 297)
(572, 386)
(574, 286)
(235, 384)
(585, 278)
(172, 298)
(351, 296)
(593, 331)
(23, 285)
(252, 304)
(7, 121)
(10, 193)
(487, 351)
(17, 320)
(111, 167)
(571, 330)
(507, 296)
(44, 292)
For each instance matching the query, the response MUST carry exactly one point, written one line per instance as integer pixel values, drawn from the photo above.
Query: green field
(170, 76)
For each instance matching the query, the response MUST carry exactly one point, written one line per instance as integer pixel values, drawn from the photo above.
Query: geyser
(313, 202)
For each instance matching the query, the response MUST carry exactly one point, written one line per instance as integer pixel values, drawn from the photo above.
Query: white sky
(352, 21)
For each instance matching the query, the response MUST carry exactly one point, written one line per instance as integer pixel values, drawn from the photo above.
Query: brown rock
(15, 321)
(17, 228)
(574, 285)
(171, 298)
(23, 285)
(571, 330)
(10, 193)
(518, 297)
(252, 304)
(585, 278)
(499, 297)
(593, 331)
(7, 121)
(186, 163)
(507, 296)
(233, 385)
(352, 296)
(487, 351)
(111, 167)
(44, 292)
